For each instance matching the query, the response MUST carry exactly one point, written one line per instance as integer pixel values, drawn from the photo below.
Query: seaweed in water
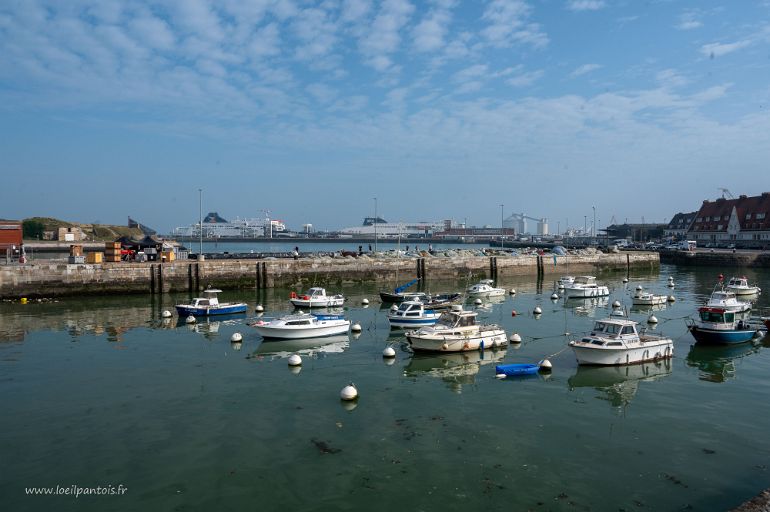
(324, 447)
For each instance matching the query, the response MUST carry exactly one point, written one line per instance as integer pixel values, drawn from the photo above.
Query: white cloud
(719, 49)
(383, 36)
(265, 42)
(688, 20)
(429, 34)
(507, 24)
(525, 79)
(317, 33)
(670, 78)
(585, 69)
(585, 5)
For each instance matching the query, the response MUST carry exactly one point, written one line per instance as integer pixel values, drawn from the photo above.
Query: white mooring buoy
(478, 302)
(616, 304)
(671, 298)
(365, 302)
(295, 360)
(545, 365)
(515, 338)
(190, 319)
(537, 310)
(513, 291)
(561, 286)
(639, 288)
(355, 327)
(625, 279)
(236, 337)
(394, 308)
(652, 319)
(554, 296)
(349, 392)
(166, 313)
(259, 308)
(388, 352)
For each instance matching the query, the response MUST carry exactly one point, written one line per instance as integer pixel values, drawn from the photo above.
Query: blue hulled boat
(720, 326)
(209, 305)
(516, 369)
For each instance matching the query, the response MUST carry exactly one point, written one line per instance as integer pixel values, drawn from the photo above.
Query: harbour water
(103, 391)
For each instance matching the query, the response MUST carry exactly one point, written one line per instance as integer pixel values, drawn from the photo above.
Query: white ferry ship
(387, 229)
(215, 226)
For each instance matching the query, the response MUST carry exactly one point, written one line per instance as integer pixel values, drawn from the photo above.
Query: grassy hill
(99, 232)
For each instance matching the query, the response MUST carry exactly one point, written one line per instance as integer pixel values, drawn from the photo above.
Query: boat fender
(293, 295)
(305, 297)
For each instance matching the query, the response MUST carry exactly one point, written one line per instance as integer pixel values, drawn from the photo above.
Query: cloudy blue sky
(440, 109)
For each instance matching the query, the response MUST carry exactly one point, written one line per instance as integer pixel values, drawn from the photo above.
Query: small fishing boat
(441, 301)
(614, 341)
(585, 287)
(720, 326)
(412, 314)
(485, 289)
(399, 295)
(456, 331)
(516, 369)
(316, 298)
(209, 305)
(728, 301)
(642, 298)
(740, 286)
(303, 325)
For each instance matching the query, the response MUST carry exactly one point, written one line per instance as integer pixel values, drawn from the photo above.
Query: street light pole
(200, 221)
(502, 227)
(375, 224)
(593, 229)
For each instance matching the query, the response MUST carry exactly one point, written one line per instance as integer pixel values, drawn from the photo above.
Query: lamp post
(502, 227)
(200, 221)
(593, 229)
(375, 224)
(585, 225)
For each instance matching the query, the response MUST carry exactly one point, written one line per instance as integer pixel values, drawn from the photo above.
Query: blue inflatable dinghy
(516, 369)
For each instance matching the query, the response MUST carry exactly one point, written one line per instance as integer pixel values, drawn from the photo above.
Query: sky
(307, 111)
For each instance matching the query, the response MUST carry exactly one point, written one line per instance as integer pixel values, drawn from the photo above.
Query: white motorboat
(740, 286)
(585, 287)
(728, 301)
(485, 289)
(565, 281)
(642, 298)
(316, 298)
(303, 325)
(615, 341)
(456, 331)
(209, 305)
(412, 314)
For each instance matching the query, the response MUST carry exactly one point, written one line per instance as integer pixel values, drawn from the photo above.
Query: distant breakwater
(56, 279)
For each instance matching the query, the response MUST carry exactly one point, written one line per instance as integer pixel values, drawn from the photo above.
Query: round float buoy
(514, 313)
(545, 365)
(561, 286)
(670, 278)
(394, 308)
(190, 319)
(639, 288)
(616, 304)
(537, 310)
(652, 319)
(349, 392)
(365, 302)
(671, 284)
(236, 337)
(355, 327)
(295, 360)
(166, 313)
(554, 296)
(457, 307)
(515, 338)
(625, 279)
(388, 352)
(671, 298)
(259, 308)
(513, 291)
(477, 302)
(23, 300)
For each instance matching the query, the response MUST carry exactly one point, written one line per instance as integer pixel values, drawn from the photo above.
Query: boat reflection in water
(717, 362)
(587, 307)
(619, 383)
(640, 309)
(311, 347)
(454, 368)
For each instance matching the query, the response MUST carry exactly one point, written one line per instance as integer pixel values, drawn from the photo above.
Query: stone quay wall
(57, 279)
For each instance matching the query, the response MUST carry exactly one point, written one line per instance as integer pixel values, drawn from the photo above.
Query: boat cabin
(585, 280)
(721, 296)
(209, 298)
(740, 282)
(457, 319)
(614, 328)
(716, 315)
(410, 309)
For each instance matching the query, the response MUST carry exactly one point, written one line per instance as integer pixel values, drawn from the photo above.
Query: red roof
(713, 214)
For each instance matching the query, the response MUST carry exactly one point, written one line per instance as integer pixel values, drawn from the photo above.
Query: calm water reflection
(100, 391)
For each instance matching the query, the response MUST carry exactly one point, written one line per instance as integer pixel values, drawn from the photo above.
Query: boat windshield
(607, 328)
(717, 316)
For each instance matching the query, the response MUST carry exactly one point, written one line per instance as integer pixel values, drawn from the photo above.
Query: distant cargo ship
(215, 226)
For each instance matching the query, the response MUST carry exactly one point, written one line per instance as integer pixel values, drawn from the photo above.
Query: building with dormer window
(743, 222)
